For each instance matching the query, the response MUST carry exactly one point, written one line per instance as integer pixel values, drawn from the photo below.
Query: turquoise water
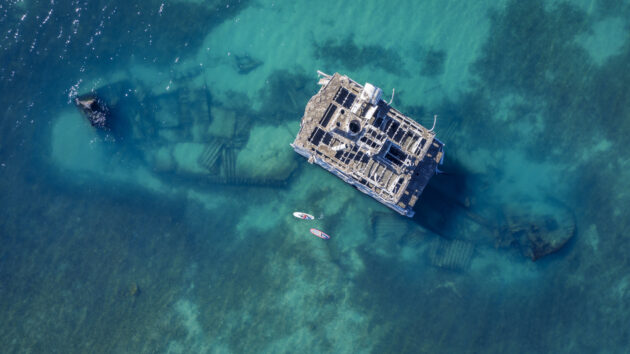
(134, 240)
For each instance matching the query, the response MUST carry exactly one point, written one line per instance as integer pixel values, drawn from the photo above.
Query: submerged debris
(388, 225)
(134, 290)
(94, 109)
(245, 64)
(537, 228)
(185, 133)
(211, 154)
(451, 254)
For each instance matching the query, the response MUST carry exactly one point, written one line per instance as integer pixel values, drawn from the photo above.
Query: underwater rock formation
(94, 109)
(537, 228)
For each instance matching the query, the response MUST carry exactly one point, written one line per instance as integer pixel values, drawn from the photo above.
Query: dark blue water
(142, 239)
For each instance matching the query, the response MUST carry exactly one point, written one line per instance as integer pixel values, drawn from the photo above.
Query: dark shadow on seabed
(443, 198)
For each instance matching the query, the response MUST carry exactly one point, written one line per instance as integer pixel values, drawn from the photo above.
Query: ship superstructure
(349, 130)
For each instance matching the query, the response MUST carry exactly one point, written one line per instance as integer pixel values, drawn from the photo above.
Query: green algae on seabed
(352, 57)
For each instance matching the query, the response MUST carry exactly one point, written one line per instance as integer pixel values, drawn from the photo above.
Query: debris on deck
(350, 131)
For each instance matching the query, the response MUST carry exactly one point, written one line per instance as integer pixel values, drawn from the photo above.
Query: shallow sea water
(136, 241)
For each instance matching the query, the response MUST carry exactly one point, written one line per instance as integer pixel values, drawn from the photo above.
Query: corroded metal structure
(350, 131)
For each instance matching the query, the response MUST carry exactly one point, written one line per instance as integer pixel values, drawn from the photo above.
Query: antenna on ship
(434, 121)
(390, 101)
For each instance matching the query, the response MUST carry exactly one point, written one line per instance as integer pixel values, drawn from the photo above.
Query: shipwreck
(349, 130)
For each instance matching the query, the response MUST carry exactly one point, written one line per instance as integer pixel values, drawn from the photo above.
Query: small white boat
(303, 216)
(320, 234)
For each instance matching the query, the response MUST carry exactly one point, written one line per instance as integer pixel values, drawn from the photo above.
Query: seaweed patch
(432, 62)
(350, 55)
(285, 96)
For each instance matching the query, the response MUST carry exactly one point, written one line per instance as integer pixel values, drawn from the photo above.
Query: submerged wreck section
(538, 228)
(350, 131)
(94, 109)
(184, 134)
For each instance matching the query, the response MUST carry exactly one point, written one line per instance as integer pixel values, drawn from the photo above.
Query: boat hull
(320, 234)
(303, 216)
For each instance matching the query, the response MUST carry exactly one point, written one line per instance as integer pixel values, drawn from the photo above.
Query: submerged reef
(432, 62)
(352, 56)
(534, 55)
(529, 46)
(536, 78)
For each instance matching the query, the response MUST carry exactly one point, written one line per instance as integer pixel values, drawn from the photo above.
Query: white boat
(303, 216)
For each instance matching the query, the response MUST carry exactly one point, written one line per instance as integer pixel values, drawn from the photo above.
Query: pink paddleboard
(320, 234)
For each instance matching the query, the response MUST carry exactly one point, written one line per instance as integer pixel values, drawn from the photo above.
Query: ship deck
(368, 143)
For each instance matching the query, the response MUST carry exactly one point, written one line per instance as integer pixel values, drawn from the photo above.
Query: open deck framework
(350, 131)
